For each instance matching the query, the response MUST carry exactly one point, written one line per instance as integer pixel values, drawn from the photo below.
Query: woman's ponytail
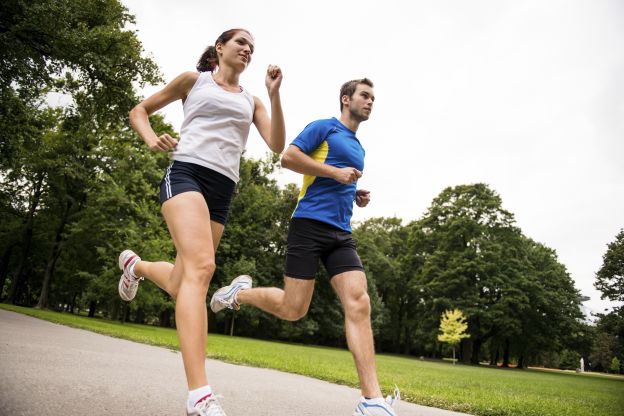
(209, 60)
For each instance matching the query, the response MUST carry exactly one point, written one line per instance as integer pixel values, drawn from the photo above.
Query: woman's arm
(177, 89)
(272, 130)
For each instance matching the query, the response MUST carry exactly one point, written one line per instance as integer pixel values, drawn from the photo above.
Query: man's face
(361, 103)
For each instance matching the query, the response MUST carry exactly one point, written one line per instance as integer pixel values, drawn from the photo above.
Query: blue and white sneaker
(226, 296)
(378, 406)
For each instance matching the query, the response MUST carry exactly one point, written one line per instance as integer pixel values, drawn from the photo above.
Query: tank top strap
(250, 98)
(205, 78)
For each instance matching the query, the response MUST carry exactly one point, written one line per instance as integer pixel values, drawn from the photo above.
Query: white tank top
(215, 127)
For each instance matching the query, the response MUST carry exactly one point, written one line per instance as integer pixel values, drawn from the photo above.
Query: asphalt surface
(50, 369)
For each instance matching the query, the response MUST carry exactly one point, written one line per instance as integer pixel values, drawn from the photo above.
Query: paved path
(52, 369)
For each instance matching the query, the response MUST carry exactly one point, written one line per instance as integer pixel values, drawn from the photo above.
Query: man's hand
(347, 175)
(362, 197)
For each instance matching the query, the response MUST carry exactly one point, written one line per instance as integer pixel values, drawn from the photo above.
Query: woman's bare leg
(162, 272)
(188, 219)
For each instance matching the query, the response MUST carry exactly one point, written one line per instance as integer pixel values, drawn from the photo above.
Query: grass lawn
(471, 389)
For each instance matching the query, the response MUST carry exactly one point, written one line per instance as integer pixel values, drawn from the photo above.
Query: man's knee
(358, 307)
(294, 313)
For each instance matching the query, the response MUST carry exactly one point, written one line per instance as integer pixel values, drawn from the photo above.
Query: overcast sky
(526, 96)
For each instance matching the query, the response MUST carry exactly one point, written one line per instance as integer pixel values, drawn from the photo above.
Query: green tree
(73, 46)
(467, 253)
(83, 51)
(551, 318)
(611, 325)
(464, 257)
(615, 365)
(382, 248)
(602, 352)
(610, 277)
(453, 328)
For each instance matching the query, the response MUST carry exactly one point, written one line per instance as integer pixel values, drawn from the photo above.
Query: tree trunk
(115, 312)
(506, 353)
(396, 348)
(165, 318)
(27, 237)
(521, 363)
(4, 266)
(73, 303)
(476, 351)
(125, 312)
(466, 351)
(53, 257)
(494, 354)
(232, 326)
(453, 354)
(139, 317)
(92, 306)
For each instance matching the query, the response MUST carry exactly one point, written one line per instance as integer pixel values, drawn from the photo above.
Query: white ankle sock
(196, 395)
(131, 268)
(375, 400)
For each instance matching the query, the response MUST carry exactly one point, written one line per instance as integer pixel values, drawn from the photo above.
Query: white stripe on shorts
(168, 182)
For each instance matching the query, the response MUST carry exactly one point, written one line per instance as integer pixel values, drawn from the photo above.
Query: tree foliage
(453, 327)
(610, 277)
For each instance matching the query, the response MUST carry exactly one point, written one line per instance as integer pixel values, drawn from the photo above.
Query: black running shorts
(217, 189)
(310, 240)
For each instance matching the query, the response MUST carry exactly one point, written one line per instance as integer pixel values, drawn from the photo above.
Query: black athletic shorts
(216, 188)
(310, 240)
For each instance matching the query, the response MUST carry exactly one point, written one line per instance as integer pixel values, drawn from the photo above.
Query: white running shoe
(378, 407)
(209, 406)
(226, 296)
(128, 283)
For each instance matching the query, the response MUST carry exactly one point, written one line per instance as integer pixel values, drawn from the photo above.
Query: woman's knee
(199, 272)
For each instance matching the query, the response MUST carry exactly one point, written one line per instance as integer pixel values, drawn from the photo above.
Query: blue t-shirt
(324, 199)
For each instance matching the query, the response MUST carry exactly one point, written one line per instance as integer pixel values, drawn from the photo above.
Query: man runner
(331, 158)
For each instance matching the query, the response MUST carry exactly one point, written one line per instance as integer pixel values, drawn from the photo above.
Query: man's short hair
(349, 87)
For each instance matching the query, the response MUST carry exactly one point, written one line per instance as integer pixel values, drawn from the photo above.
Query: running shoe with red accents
(206, 406)
(129, 282)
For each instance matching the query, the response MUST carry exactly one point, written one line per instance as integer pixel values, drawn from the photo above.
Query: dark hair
(349, 87)
(209, 59)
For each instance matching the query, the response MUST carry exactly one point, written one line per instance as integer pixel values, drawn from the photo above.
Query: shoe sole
(120, 290)
(121, 267)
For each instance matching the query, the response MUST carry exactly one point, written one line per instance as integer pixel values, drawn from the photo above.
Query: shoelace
(396, 396)
(211, 406)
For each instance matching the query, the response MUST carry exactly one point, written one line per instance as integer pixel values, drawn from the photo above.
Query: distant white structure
(582, 365)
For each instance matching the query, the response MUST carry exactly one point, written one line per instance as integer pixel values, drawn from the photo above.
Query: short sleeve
(312, 136)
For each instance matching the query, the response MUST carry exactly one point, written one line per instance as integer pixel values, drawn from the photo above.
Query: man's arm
(297, 161)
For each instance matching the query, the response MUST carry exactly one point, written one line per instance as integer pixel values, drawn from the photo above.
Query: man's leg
(351, 288)
(290, 303)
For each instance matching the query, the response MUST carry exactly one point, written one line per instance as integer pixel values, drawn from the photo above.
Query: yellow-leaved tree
(453, 328)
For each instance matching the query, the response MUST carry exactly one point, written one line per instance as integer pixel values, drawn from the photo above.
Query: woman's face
(237, 51)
